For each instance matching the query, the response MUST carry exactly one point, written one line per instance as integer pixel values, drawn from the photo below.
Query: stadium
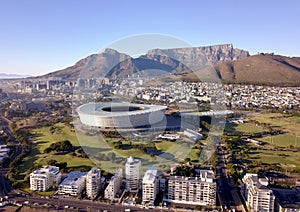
(120, 115)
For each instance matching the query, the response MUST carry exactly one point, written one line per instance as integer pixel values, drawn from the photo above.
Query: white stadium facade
(120, 115)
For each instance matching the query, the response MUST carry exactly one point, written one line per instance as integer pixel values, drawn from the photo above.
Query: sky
(41, 36)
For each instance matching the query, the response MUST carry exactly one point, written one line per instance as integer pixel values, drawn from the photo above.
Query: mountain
(262, 69)
(219, 62)
(196, 57)
(95, 65)
(12, 76)
(111, 63)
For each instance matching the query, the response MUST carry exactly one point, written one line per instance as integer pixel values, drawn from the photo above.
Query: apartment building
(150, 185)
(93, 183)
(133, 174)
(73, 184)
(114, 185)
(44, 178)
(257, 195)
(193, 190)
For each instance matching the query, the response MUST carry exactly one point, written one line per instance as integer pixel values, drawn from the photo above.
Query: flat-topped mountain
(111, 63)
(228, 64)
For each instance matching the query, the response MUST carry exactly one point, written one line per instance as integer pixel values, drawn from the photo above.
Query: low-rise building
(150, 185)
(73, 184)
(114, 185)
(44, 178)
(258, 196)
(193, 190)
(93, 183)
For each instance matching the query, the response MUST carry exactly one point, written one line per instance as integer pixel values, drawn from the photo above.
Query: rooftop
(74, 179)
(150, 175)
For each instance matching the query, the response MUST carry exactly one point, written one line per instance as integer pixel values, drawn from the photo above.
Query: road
(77, 205)
(228, 195)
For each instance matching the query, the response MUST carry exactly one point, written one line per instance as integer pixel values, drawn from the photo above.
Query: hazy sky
(40, 36)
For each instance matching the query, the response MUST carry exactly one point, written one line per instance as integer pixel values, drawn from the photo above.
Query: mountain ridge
(230, 65)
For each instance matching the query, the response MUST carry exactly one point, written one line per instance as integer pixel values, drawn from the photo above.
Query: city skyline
(41, 37)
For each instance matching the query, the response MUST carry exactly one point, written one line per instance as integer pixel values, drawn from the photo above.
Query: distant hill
(230, 65)
(12, 76)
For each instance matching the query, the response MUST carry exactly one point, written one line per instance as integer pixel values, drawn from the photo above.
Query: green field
(242, 128)
(281, 157)
(282, 140)
(94, 145)
(43, 138)
(285, 122)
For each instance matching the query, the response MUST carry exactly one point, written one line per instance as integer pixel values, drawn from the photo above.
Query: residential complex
(114, 186)
(73, 184)
(133, 174)
(93, 183)
(44, 178)
(258, 196)
(150, 185)
(193, 190)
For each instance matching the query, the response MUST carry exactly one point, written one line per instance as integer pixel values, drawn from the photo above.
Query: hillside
(261, 69)
(230, 65)
(111, 63)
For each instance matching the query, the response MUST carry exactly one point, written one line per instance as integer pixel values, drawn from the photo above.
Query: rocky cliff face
(197, 57)
(111, 63)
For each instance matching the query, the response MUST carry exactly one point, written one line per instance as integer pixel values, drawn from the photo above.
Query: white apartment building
(193, 190)
(93, 183)
(257, 195)
(150, 185)
(133, 174)
(114, 185)
(73, 184)
(44, 178)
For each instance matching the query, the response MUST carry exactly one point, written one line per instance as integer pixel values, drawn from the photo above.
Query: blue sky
(40, 36)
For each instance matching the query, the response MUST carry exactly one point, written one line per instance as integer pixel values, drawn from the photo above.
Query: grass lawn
(283, 157)
(44, 138)
(285, 122)
(282, 140)
(242, 128)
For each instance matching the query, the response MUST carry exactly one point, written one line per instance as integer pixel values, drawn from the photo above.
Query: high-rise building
(193, 190)
(114, 185)
(150, 186)
(44, 178)
(256, 193)
(73, 184)
(133, 174)
(93, 183)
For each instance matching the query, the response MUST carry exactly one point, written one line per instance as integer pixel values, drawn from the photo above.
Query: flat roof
(74, 179)
(150, 175)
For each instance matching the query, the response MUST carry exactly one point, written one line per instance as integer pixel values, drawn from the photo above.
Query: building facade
(193, 190)
(150, 185)
(93, 183)
(73, 184)
(133, 174)
(114, 185)
(44, 178)
(257, 195)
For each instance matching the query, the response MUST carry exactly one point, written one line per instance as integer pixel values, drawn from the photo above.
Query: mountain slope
(261, 69)
(95, 65)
